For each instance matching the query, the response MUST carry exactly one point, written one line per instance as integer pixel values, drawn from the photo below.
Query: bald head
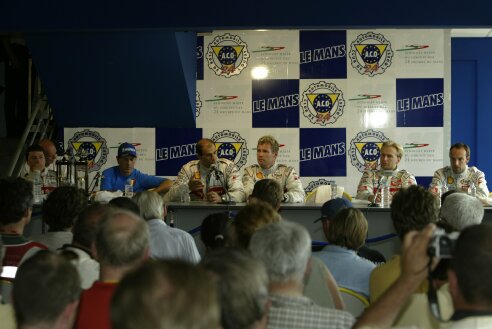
(49, 150)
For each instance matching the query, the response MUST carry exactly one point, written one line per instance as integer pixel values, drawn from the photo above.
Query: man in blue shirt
(115, 178)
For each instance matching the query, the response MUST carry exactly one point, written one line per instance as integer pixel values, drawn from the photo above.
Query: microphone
(95, 180)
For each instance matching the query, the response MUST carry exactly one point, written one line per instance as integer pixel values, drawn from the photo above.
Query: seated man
(208, 178)
(459, 176)
(266, 155)
(49, 150)
(115, 178)
(16, 200)
(372, 181)
(35, 161)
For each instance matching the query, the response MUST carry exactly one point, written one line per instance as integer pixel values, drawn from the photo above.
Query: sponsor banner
(174, 148)
(323, 152)
(227, 55)
(419, 102)
(370, 105)
(323, 103)
(231, 144)
(224, 104)
(199, 57)
(420, 55)
(102, 145)
(273, 54)
(275, 103)
(323, 54)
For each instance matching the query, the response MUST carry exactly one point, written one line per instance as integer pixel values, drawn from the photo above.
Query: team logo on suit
(198, 104)
(365, 149)
(322, 103)
(231, 146)
(227, 55)
(371, 54)
(90, 144)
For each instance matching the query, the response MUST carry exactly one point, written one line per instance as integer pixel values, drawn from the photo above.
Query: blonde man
(372, 181)
(266, 155)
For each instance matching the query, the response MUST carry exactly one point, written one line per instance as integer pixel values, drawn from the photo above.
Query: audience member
(46, 292)
(16, 201)
(412, 209)
(60, 210)
(347, 233)
(268, 190)
(125, 203)
(213, 231)
(243, 288)
(165, 241)
(285, 250)
(6, 310)
(122, 243)
(461, 210)
(164, 295)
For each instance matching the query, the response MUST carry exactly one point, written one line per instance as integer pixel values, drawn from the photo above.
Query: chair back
(355, 303)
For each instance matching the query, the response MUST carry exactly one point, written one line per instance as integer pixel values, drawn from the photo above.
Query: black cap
(332, 207)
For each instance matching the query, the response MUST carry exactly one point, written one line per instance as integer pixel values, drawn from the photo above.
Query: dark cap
(332, 207)
(126, 149)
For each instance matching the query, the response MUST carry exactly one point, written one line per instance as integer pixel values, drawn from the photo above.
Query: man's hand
(195, 184)
(213, 197)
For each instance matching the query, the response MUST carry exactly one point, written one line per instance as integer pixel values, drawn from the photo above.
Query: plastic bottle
(37, 187)
(472, 190)
(333, 186)
(129, 189)
(185, 194)
(385, 194)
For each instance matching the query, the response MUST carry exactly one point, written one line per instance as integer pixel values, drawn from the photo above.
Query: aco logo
(198, 104)
(370, 54)
(90, 144)
(365, 149)
(231, 146)
(227, 55)
(322, 103)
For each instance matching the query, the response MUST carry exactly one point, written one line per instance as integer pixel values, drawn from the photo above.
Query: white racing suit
(371, 181)
(226, 181)
(289, 181)
(460, 181)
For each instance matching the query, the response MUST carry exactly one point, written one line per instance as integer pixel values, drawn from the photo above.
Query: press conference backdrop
(330, 98)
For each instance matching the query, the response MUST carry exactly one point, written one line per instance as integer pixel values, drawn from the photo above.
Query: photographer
(470, 280)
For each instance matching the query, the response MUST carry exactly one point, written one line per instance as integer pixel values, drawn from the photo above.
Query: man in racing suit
(266, 154)
(372, 180)
(458, 176)
(208, 178)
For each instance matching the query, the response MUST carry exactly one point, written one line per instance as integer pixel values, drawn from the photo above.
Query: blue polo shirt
(113, 180)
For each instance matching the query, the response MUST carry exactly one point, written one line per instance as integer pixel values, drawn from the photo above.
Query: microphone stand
(378, 191)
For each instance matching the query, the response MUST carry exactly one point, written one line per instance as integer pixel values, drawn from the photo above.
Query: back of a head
(62, 207)
(248, 220)
(284, 248)
(122, 202)
(461, 210)
(412, 208)
(243, 286)
(166, 294)
(122, 239)
(44, 285)
(151, 205)
(85, 227)
(269, 191)
(471, 261)
(213, 230)
(348, 229)
(15, 199)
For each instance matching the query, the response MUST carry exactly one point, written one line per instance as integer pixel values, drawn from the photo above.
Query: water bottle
(37, 187)
(129, 189)
(444, 188)
(472, 190)
(385, 194)
(333, 190)
(185, 194)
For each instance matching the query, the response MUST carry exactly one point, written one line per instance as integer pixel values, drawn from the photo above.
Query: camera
(442, 244)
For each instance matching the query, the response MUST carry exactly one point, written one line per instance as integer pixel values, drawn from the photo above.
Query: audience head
(49, 149)
(166, 294)
(269, 191)
(469, 279)
(461, 210)
(412, 208)
(446, 194)
(16, 200)
(47, 288)
(62, 207)
(348, 229)
(248, 220)
(122, 239)
(85, 227)
(243, 287)
(122, 202)
(331, 207)
(213, 231)
(35, 157)
(284, 248)
(151, 205)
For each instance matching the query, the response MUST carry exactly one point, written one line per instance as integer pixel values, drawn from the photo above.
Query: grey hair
(285, 248)
(461, 210)
(151, 205)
